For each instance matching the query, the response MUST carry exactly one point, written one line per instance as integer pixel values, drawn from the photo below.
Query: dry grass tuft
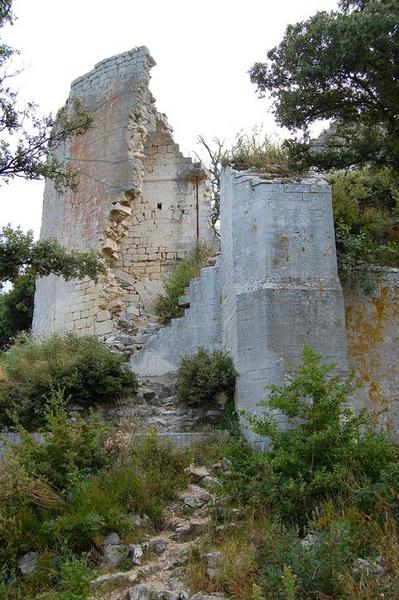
(15, 482)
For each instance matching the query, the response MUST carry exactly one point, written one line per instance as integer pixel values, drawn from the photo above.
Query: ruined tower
(140, 201)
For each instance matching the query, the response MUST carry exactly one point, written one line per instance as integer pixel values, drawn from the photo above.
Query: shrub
(203, 375)
(327, 451)
(69, 451)
(259, 153)
(81, 367)
(61, 497)
(167, 304)
(365, 215)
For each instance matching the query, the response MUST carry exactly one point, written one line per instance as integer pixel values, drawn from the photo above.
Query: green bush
(63, 496)
(365, 214)
(16, 309)
(167, 304)
(203, 375)
(81, 367)
(327, 451)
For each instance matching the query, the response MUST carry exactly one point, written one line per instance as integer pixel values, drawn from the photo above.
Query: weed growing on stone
(167, 305)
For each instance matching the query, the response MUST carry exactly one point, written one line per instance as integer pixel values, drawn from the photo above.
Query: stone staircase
(158, 564)
(156, 407)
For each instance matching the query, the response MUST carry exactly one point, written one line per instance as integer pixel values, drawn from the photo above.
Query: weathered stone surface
(212, 562)
(368, 566)
(112, 539)
(214, 596)
(27, 564)
(210, 483)
(118, 578)
(136, 552)
(136, 202)
(113, 550)
(195, 496)
(372, 320)
(144, 592)
(197, 473)
(158, 546)
(274, 288)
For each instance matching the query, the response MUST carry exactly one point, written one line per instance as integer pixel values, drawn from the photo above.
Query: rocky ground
(158, 564)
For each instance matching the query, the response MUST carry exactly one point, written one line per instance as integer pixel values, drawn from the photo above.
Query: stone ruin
(273, 288)
(140, 201)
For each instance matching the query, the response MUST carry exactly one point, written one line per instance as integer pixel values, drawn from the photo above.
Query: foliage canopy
(343, 66)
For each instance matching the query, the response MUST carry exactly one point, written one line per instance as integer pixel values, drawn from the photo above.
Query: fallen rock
(144, 592)
(27, 564)
(169, 595)
(119, 577)
(113, 551)
(158, 546)
(181, 531)
(213, 596)
(210, 483)
(112, 539)
(137, 520)
(147, 393)
(199, 526)
(195, 496)
(368, 566)
(197, 473)
(136, 552)
(309, 540)
(212, 563)
(179, 556)
(112, 555)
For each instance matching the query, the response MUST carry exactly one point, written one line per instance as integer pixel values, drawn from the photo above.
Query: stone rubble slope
(158, 564)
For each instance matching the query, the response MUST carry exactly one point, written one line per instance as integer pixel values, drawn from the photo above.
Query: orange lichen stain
(366, 323)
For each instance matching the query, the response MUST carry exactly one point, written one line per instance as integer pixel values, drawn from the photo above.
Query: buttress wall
(274, 288)
(137, 202)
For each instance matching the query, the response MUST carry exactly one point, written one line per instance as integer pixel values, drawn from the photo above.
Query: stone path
(159, 563)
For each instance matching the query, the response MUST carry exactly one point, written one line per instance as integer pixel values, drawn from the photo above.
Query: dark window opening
(159, 205)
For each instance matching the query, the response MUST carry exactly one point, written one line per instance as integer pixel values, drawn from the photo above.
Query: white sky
(203, 51)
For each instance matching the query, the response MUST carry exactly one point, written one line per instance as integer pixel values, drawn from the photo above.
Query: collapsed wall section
(140, 202)
(274, 289)
(170, 215)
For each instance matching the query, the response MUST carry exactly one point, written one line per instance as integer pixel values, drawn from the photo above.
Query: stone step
(184, 438)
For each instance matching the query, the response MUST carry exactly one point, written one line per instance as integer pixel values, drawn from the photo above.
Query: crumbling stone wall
(274, 288)
(138, 201)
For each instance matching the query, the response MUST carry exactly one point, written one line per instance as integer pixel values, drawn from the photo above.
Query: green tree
(327, 451)
(28, 141)
(20, 255)
(341, 65)
(21, 261)
(16, 309)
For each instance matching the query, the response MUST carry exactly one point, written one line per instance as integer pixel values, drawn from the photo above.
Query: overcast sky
(203, 51)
